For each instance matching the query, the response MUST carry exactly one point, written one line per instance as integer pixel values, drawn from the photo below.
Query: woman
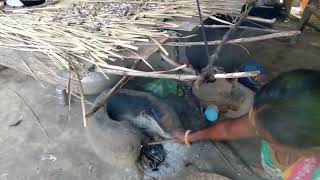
(286, 116)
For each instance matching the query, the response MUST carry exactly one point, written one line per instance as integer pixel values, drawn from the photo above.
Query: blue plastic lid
(251, 66)
(211, 113)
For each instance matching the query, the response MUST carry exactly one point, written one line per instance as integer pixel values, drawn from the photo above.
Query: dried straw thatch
(95, 31)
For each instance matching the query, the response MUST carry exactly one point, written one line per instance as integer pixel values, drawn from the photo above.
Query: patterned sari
(303, 169)
(307, 168)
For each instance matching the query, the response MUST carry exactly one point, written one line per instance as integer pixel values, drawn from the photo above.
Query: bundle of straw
(95, 31)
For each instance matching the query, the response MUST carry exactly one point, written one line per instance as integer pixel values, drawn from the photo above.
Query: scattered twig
(242, 47)
(69, 97)
(175, 64)
(78, 97)
(34, 114)
(220, 20)
(160, 46)
(32, 73)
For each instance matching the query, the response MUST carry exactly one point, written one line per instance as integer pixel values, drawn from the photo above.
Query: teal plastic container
(211, 113)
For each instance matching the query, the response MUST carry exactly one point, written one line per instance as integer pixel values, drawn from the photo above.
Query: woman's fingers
(179, 135)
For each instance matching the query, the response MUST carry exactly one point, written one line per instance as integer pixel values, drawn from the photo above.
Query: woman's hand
(179, 135)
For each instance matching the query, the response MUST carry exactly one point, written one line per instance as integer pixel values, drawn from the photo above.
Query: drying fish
(147, 123)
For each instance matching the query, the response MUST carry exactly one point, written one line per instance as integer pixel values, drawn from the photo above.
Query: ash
(176, 155)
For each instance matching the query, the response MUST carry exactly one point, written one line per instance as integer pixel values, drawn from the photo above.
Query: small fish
(148, 124)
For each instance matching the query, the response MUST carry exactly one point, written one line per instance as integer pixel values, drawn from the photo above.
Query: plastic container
(251, 82)
(62, 95)
(211, 113)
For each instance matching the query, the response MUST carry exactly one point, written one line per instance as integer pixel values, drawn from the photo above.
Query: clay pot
(232, 98)
(95, 82)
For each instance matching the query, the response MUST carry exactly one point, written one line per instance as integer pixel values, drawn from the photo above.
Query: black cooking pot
(32, 2)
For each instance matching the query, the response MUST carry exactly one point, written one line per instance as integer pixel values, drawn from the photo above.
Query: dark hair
(290, 108)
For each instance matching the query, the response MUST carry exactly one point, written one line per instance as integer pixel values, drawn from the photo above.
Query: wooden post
(307, 13)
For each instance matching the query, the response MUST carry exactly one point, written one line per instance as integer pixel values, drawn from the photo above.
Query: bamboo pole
(261, 20)
(242, 27)
(181, 77)
(235, 41)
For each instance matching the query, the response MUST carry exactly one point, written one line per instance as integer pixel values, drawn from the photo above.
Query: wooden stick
(163, 142)
(239, 40)
(181, 77)
(242, 27)
(226, 37)
(175, 64)
(261, 20)
(105, 95)
(83, 107)
(214, 58)
(307, 14)
(313, 9)
(34, 114)
(220, 20)
(160, 46)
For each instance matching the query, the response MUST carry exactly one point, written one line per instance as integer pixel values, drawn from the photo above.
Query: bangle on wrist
(186, 137)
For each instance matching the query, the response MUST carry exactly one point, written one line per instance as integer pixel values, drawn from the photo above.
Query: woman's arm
(222, 131)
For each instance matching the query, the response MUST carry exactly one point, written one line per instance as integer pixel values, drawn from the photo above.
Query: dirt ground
(26, 153)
